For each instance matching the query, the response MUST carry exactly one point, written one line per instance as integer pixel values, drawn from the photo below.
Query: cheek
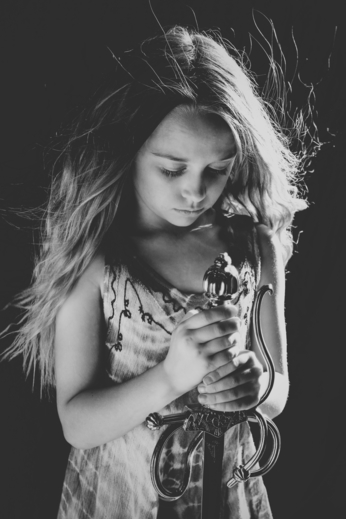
(158, 191)
(143, 183)
(218, 185)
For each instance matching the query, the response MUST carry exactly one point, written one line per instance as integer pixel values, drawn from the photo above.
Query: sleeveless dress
(141, 310)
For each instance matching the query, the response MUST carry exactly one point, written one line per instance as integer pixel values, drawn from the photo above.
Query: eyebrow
(230, 156)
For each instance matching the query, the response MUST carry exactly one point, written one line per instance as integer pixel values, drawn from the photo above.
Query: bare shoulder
(79, 334)
(84, 302)
(85, 298)
(94, 273)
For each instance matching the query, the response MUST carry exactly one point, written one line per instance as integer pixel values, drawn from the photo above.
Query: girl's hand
(200, 344)
(235, 386)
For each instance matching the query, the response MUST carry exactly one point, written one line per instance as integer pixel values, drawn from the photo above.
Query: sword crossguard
(212, 422)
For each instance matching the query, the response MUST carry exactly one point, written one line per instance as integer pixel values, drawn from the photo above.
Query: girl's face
(182, 169)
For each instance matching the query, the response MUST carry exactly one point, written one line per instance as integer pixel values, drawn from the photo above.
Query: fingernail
(201, 388)
(202, 398)
(207, 380)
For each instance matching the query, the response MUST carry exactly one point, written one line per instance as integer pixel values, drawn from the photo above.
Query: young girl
(178, 161)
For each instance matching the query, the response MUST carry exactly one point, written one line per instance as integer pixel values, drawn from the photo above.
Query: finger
(227, 342)
(237, 345)
(212, 315)
(234, 345)
(244, 359)
(247, 390)
(216, 361)
(248, 393)
(189, 314)
(232, 380)
(235, 340)
(214, 346)
(224, 365)
(214, 331)
(242, 404)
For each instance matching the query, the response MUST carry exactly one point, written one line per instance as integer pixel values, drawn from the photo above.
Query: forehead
(191, 129)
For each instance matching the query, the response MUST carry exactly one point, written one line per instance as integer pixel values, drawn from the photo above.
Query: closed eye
(172, 174)
(222, 171)
(177, 173)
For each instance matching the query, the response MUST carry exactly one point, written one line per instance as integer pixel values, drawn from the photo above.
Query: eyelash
(174, 174)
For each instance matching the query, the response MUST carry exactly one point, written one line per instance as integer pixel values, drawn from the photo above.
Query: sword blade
(212, 476)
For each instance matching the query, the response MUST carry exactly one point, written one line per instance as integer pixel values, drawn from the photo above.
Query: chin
(186, 220)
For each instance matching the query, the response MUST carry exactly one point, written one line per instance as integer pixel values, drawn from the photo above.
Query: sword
(221, 283)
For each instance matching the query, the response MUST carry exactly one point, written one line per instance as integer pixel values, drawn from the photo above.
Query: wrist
(166, 385)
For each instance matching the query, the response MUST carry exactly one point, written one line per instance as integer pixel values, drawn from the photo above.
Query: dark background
(53, 55)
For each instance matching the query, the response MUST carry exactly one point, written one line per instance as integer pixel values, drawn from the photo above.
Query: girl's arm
(240, 383)
(94, 411)
(91, 411)
(273, 321)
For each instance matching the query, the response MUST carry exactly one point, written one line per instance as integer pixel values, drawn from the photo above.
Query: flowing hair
(179, 67)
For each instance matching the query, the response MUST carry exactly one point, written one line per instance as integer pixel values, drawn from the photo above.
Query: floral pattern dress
(141, 310)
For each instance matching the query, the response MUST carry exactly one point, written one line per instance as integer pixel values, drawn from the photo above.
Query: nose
(194, 190)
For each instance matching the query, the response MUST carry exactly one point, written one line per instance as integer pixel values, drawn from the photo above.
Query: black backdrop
(54, 53)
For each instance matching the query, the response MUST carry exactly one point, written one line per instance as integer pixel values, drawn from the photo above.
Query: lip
(189, 211)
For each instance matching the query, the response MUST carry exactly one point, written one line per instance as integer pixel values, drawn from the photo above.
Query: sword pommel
(221, 280)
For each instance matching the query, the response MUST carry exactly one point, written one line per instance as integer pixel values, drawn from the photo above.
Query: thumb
(189, 314)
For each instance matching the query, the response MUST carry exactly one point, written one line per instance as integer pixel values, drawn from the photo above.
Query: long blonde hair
(180, 67)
